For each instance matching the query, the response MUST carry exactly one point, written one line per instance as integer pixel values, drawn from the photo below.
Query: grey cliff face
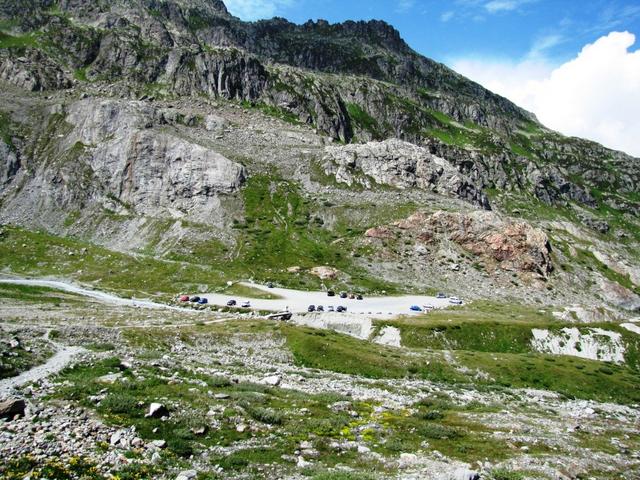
(150, 170)
(113, 157)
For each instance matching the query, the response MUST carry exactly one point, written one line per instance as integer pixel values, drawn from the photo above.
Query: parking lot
(297, 301)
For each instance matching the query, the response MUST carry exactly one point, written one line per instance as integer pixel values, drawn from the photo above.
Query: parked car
(441, 295)
(194, 299)
(343, 295)
(320, 308)
(415, 308)
(203, 301)
(428, 307)
(331, 293)
(246, 304)
(184, 298)
(352, 297)
(330, 308)
(455, 301)
(359, 297)
(312, 308)
(231, 303)
(270, 285)
(341, 309)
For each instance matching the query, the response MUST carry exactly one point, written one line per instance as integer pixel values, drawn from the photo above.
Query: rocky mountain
(165, 150)
(166, 127)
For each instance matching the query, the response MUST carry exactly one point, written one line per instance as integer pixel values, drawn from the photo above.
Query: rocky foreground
(194, 400)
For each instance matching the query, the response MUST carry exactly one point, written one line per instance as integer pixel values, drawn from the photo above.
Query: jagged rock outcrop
(550, 186)
(32, 71)
(9, 163)
(401, 165)
(509, 245)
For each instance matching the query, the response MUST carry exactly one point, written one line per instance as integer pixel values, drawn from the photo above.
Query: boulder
(272, 380)
(465, 474)
(201, 430)
(157, 410)
(110, 378)
(407, 460)
(159, 444)
(11, 407)
(187, 475)
(214, 123)
(325, 273)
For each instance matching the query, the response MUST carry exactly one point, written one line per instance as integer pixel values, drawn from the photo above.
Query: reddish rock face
(511, 245)
(380, 232)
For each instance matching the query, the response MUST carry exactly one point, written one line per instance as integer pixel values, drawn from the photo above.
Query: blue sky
(574, 63)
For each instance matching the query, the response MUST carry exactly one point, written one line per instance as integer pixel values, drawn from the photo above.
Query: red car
(184, 298)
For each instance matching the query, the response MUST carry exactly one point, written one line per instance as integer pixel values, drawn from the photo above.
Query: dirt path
(55, 364)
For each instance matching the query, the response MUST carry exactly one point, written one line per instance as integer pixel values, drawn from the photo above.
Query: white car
(246, 304)
(428, 308)
(455, 301)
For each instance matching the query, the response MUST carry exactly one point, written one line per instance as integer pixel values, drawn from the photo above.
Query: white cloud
(596, 95)
(501, 5)
(256, 9)
(446, 16)
(405, 5)
(496, 6)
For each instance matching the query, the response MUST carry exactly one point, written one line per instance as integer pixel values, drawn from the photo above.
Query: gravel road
(97, 295)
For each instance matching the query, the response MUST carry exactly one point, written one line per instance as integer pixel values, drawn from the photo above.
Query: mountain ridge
(176, 71)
